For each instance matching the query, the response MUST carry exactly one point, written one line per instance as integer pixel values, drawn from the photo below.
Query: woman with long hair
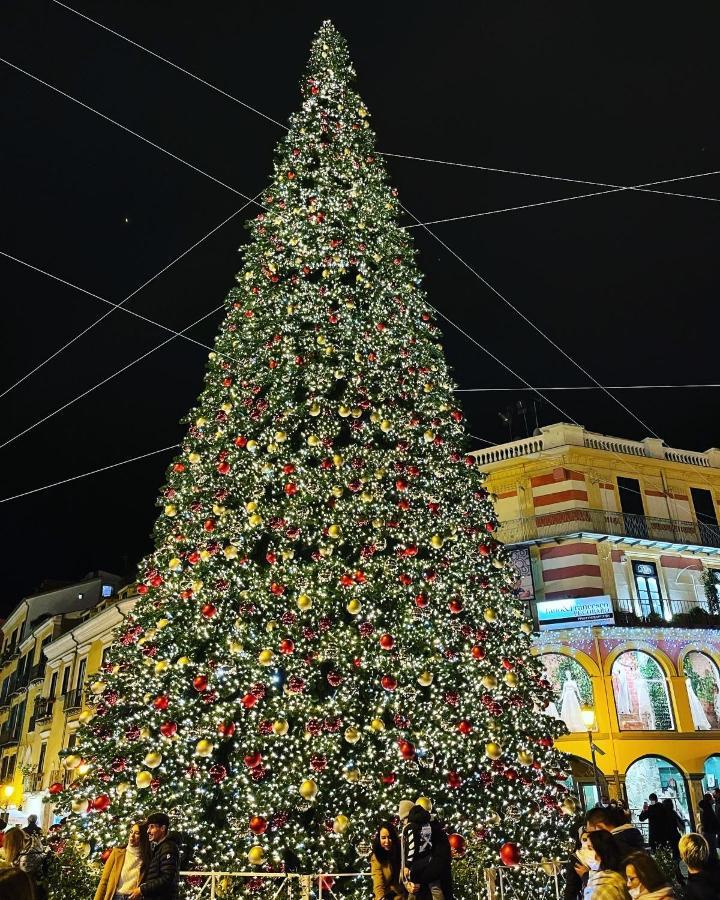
(125, 867)
(16, 884)
(602, 856)
(644, 878)
(385, 864)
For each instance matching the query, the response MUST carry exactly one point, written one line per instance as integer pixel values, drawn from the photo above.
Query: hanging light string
(115, 306)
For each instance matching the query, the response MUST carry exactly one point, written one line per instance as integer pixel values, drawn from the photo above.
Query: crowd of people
(611, 860)
(147, 867)
(411, 858)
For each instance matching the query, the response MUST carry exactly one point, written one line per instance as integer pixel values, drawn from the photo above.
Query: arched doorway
(703, 685)
(711, 779)
(583, 783)
(657, 775)
(641, 696)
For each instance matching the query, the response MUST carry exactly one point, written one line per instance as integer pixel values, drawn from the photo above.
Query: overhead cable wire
(234, 99)
(123, 462)
(640, 188)
(136, 134)
(529, 322)
(99, 384)
(169, 62)
(587, 387)
(115, 306)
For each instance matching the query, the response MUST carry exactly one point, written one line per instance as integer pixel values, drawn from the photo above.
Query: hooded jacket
(434, 867)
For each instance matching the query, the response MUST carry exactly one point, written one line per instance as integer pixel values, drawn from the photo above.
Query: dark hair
(652, 797)
(707, 801)
(158, 818)
(612, 816)
(648, 873)
(16, 884)
(606, 847)
(393, 854)
(144, 846)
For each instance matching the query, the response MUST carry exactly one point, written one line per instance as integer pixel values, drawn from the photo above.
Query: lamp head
(588, 716)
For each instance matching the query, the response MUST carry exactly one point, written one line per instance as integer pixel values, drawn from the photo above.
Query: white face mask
(587, 857)
(634, 892)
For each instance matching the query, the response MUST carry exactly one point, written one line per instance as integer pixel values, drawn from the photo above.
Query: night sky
(626, 283)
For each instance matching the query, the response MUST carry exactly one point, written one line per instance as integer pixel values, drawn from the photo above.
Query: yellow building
(617, 546)
(38, 692)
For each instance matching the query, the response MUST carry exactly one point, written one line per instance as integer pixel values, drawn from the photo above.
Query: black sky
(626, 283)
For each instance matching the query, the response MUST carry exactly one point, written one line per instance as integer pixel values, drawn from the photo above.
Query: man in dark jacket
(430, 869)
(703, 881)
(612, 819)
(161, 878)
(655, 815)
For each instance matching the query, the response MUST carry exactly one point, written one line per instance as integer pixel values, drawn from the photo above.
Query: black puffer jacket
(161, 878)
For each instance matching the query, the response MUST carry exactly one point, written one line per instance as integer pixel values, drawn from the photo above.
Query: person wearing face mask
(645, 880)
(601, 855)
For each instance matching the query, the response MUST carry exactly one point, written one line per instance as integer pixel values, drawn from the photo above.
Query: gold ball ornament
(340, 824)
(304, 601)
(254, 520)
(490, 615)
(97, 687)
(265, 657)
(308, 789)
(280, 727)
(314, 409)
(175, 564)
(143, 779)
(235, 646)
(313, 440)
(489, 682)
(334, 531)
(145, 732)
(162, 665)
(87, 715)
(352, 775)
(79, 806)
(425, 679)
(437, 541)
(152, 759)
(493, 750)
(84, 850)
(204, 748)
(230, 552)
(525, 757)
(354, 607)
(352, 735)
(570, 805)
(510, 678)
(122, 788)
(526, 628)
(183, 661)
(162, 623)
(256, 855)
(72, 761)
(194, 458)
(170, 509)
(377, 725)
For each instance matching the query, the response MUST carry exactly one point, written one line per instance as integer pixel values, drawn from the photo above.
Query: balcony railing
(32, 782)
(18, 682)
(43, 711)
(9, 736)
(677, 613)
(606, 522)
(37, 673)
(73, 700)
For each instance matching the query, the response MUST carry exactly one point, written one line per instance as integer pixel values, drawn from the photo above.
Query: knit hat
(404, 809)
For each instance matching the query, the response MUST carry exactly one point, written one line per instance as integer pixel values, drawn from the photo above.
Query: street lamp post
(588, 717)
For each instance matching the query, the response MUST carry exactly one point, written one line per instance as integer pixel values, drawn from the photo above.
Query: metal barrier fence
(545, 880)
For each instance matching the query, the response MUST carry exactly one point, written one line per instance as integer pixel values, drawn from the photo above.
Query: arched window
(711, 779)
(703, 686)
(656, 775)
(572, 689)
(641, 696)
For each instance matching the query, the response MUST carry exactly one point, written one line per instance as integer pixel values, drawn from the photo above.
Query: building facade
(50, 643)
(617, 546)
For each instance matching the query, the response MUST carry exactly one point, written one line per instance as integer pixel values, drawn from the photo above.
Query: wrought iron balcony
(32, 782)
(9, 736)
(43, 711)
(583, 521)
(73, 700)
(37, 673)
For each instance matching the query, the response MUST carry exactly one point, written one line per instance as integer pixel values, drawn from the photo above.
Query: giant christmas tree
(327, 622)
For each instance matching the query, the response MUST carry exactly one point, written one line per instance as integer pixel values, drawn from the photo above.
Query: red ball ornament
(101, 803)
(55, 789)
(388, 682)
(168, 729)
(226, 729)
(464, 727)
(286, 646)
(223, 468)
(258, 825)
(407, 749)
(389, 778)
(252, 759)
(218, 773)
(478, 652)
(510, 854)
(455, 606)
(457, 844)
(105, 855)
(421, 601)
(200, 683)
(208, 610)
(334, 679)
(454, 780)
(387, 641)
(161, 702)
(291, 489)
(507, 665)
